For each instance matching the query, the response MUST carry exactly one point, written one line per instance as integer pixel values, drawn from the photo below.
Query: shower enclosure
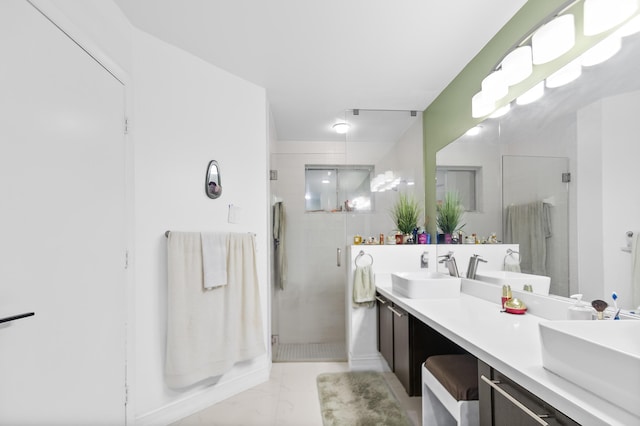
(325, 189)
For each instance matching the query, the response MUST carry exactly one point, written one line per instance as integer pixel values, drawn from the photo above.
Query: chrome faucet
(450, 262)
(473, 266)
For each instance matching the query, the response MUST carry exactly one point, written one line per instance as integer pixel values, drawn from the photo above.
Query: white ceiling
(317, 59)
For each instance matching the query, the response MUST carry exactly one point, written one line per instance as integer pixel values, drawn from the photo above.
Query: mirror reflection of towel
(364, 289)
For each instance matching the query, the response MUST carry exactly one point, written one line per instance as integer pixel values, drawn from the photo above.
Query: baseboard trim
(177, 410)
(372, 363)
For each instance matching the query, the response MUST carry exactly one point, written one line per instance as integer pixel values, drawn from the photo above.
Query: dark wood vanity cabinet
(385, 329)
(505, 403)
(405, 342)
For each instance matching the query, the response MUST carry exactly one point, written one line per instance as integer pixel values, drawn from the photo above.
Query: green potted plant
(450, 213)
(405, 214)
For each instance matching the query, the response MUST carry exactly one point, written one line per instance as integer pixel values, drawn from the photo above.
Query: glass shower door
(527, 181)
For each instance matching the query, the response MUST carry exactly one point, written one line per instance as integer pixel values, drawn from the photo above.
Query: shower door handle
(338, 256)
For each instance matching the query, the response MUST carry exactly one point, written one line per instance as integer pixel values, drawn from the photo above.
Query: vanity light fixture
(494, 85)
(531, 95)
(517, 65)
(565, 75)
(553, 39)
(602, 15)
(602, 51)
(341, 128)
(481, 105)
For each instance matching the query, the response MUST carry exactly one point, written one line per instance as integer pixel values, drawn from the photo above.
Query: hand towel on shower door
(208, 331)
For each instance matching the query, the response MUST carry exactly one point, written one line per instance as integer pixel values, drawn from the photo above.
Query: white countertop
(510, 344)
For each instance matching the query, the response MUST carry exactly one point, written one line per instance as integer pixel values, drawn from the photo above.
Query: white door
(62, 241)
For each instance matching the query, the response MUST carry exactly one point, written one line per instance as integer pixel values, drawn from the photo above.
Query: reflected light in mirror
(601, 51)
(565, 75)
(341, 128)
(517, 65)
(553, 39)
(531, 95)
(501, 111)
(481, 105)
(631, 27)
(601, 15)
(474, 131)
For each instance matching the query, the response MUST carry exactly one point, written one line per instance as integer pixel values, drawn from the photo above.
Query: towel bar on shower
(17, 317)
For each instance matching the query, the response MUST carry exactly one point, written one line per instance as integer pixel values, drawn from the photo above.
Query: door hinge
(126, 259)
(126, 126)
(126, 394)
(566, 177)
(273, 175)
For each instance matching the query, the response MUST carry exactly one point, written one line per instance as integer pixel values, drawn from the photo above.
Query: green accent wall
(449, 115)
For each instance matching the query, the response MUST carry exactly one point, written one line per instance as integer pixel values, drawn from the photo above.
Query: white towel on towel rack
(209, 331)
(214, 259)
(364, 288)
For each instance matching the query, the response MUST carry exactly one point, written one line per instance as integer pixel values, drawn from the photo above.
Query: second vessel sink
(600, 356)
(425, 285)
(517, 280)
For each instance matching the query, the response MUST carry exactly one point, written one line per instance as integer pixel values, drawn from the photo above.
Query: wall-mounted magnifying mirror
(213, 182)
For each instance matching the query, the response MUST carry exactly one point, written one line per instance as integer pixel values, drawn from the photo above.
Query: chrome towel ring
(362, 254)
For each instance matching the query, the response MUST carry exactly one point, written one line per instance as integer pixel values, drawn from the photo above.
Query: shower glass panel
(535, 191)
(309, 315)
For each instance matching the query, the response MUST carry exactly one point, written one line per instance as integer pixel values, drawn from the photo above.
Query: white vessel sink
(517, 280)
(600, 356)
(425, 285)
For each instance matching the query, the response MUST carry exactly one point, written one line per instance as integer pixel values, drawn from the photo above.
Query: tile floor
(290, 397)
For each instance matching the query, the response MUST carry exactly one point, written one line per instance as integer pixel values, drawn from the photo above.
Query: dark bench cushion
(457, 373)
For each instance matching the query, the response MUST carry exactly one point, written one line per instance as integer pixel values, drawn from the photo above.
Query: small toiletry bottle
(357, 239)
(580, 310)
(381, 238)
(506, 294)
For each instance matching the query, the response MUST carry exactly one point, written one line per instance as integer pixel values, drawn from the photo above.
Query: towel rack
(17, 317)
(629, 234)
(361, 254)
(510, 253)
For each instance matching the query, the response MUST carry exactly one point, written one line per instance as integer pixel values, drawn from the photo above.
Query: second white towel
(214, 259)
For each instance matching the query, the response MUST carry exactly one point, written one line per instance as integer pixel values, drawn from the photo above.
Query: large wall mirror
(573, 157)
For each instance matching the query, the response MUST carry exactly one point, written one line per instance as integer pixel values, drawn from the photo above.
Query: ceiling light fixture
(553, 39)
(602, 15)
(341, 128)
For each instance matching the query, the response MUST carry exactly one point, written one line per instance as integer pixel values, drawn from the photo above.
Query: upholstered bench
(450, 390)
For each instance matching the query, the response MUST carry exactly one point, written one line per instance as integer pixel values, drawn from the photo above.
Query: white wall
(607, 131)
(183, 113)
(186, 113)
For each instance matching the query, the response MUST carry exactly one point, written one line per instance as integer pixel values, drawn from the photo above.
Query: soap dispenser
(580, 310)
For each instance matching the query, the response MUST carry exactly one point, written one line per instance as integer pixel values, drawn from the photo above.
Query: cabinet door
(385, 329)
(401, 348)
(505, 403)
